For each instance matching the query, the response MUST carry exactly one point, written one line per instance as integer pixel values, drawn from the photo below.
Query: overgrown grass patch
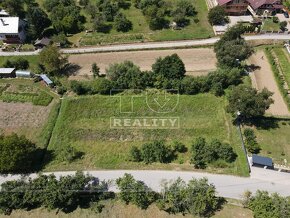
(84, 123)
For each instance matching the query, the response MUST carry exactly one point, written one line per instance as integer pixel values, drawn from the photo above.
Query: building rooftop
(46, 79)
(265, 161)
(6, 70)
(9, 25)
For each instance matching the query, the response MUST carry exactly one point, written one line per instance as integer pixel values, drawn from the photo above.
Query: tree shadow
(71, 69)
(252, 67)
(266, 123)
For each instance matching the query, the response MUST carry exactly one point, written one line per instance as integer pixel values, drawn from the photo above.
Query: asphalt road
(151, 45)
(226, 185)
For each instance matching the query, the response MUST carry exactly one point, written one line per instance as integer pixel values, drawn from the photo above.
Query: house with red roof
(242, 7)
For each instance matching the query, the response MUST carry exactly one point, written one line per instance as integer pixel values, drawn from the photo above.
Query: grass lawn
(33, 60)
(275, 140)
(284, 60)
(117, 209)
(269, 25)
(84, 122)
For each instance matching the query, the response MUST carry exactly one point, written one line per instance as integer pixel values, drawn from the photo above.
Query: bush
(122, 24)
(251, 142)
(135, 154)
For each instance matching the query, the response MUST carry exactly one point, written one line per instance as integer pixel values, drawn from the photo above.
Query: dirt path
(198, 61)
(264, 77)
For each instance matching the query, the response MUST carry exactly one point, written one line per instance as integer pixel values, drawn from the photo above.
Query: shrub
(18, 63)
(135, 154)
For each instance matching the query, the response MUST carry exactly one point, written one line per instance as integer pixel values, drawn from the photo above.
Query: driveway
(283, 18)
(226, 185)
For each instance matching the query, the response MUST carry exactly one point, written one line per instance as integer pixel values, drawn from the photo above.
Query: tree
(217, 16)
(95, 70)
(18, 63)
(197, 197)
(135, 192)
(122, 24)
(38, 21)
(169, 67)
(16, 154)
(283, 25)
(227, 55)
(126, 75)
(14, 7)
(198, 153)
(52, 60)
(264, 205)
(100, 25)
(249, 102)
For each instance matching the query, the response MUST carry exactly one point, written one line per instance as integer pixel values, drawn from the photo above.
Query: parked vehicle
(286, 14)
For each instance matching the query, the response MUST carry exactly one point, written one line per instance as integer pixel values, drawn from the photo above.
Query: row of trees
(66, 193)
(156, 151)
(197, 197)
(204, 153)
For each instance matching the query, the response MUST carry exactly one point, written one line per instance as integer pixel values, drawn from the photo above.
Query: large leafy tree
(16, 154)
(135, 192)
(249, 102)
(198, 197)
(169, 67)
(38, 21)
(126, 75)
(231, 42)
(122, 23)
(14, 7)
(217, 16)
(264, 205)
(52, 60)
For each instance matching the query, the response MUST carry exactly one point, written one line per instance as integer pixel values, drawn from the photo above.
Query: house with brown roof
(243, 7)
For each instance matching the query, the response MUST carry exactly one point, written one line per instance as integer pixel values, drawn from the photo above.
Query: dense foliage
(65, 15)
(264, 205)
(156, 151)
(65, 193)
(231, 42)
(251, 141)
(52, 61)
(197, 198)
(18, 63)
(248, 102)
(17, 154)
(135, 192)
(217, 16)
(203, 153)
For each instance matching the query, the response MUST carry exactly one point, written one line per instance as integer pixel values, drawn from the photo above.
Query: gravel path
(264, 77)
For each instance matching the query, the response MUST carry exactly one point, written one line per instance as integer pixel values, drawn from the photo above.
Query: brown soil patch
(14, 116)
(198, 61)
(264, 78)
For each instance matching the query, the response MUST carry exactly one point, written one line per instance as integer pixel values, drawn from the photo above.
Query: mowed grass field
(84, 123)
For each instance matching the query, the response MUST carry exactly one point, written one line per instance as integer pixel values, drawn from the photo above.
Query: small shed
(23, 74)
(40, 43)
(7, 72)
(261, 161)
(46, 80)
